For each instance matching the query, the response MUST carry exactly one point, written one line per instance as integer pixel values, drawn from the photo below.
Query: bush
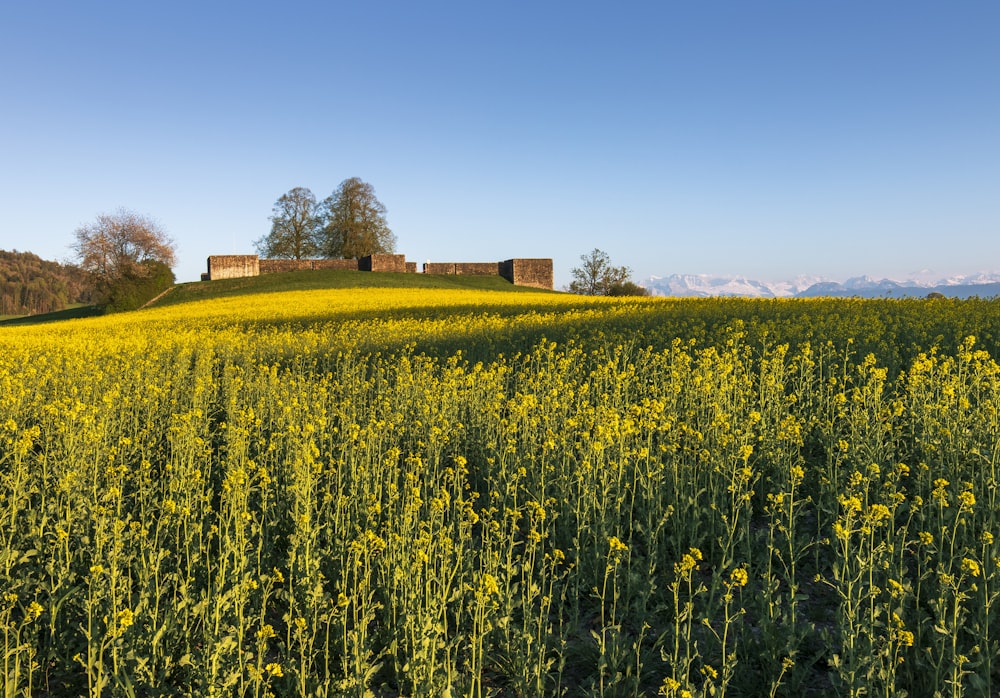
(627, 288)
(132, 291)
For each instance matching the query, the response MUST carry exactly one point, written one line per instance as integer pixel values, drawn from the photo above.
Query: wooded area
(30, 284)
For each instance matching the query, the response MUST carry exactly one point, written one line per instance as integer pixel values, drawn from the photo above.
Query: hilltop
(325, 279)
(296, 281)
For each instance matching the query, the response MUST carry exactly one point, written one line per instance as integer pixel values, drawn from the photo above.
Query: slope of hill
(323, 279)
(31, 285)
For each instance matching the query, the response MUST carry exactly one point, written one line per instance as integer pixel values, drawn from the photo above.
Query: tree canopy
(354, 224)
(295, 227)
(125, 252)
(118, 244)
(31, 285)
(598, 277)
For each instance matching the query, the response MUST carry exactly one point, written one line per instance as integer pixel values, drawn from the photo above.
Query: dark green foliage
(627, 288)
(133, 290)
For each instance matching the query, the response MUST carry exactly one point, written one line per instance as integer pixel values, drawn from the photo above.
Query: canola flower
(429, 492)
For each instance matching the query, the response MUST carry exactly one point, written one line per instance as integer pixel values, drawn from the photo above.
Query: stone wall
(520, 272)
(536, 273)
(274, 266)
(477, 268)
(233, 266)
(383, 262)
(439, 267)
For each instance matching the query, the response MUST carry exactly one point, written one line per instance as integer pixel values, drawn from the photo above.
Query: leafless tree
(122, 244)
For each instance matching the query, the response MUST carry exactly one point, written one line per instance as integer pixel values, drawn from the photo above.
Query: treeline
(31, 285)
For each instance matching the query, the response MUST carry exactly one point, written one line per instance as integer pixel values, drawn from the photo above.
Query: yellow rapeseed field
(414, 492)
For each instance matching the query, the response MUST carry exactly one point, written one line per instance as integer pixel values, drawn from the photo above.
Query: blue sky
(762, 138)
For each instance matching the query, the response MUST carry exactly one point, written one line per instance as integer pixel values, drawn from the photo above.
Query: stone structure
(520, 272)
(274, 266)
(529, 272)
(233, 266)
(383, 262)
(463, 268)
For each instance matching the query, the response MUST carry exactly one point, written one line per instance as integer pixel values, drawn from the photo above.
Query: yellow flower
(125, 618)
(488, 585)
(738, 577)
(688, 563)
(925, 538)
(879, 512)
(851, 504)
(33, 611)
(970, 567)
(669, 686)
(616, 546)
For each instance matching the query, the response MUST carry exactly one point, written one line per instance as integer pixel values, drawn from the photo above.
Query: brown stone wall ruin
(477, 268)
(520, 272)
(536, 273)
(439, 267)
(383, 262)
(275, 266)
(232, 266)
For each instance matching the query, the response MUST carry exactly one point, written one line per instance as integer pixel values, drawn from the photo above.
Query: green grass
(320, 279)
(304, 280)
(77, 311)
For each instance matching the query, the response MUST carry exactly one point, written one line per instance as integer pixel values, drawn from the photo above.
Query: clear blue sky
(761, 138)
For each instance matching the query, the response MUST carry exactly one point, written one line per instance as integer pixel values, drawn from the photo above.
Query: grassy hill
(326, 279)
(307, 280)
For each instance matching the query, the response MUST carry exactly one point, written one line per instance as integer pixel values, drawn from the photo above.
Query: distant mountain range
(917, 285)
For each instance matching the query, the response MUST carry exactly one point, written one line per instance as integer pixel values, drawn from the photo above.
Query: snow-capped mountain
(918, 284)
(705, 285)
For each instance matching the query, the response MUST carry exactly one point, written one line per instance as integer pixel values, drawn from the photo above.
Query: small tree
(117, 245)
(295, 227)
(125, 250)
(597, 277)
(353, 221)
